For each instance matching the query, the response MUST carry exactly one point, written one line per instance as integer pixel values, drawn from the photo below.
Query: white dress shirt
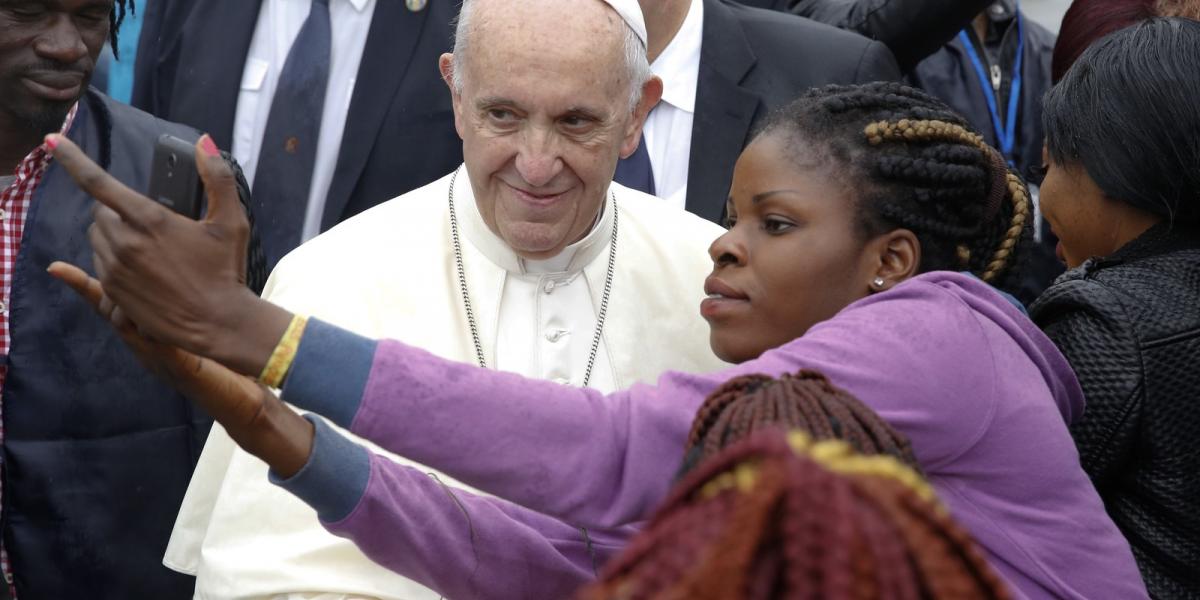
(668, 130)
(547, 316)
(279, 23)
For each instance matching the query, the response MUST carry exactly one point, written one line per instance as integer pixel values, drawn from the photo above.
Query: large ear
(652, 92)
(893, 257)
(446, 66)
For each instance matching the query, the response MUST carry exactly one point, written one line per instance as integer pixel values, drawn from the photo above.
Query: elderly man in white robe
(527, 259)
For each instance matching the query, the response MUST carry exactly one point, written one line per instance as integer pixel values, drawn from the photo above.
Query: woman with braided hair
(869, 226)
(781, 515)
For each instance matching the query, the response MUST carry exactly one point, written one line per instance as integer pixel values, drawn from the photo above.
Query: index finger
(132, 206)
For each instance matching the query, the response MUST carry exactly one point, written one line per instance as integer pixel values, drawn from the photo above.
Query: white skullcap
(631, 11)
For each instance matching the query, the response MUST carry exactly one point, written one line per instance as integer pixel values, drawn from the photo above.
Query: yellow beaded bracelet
(285, 352)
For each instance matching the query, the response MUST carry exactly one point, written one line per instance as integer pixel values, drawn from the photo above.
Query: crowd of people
(605, 299)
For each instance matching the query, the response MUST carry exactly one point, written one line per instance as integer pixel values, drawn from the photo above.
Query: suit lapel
(724, 110)
(386, 59)
(212, 53)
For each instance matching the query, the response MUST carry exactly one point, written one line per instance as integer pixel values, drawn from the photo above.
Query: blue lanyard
(1006, 133)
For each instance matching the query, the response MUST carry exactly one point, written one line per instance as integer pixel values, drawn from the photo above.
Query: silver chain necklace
(462, 282)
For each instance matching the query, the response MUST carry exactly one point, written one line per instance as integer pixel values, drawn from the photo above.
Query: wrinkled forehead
(554, 22)
(553, 52)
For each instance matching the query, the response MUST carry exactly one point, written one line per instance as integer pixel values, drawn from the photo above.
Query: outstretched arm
(609, 460)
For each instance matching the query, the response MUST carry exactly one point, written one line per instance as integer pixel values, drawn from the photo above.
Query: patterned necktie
(283, 177)
(636, 172)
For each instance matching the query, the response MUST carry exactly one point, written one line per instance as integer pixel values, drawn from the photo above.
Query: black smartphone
(174, 181)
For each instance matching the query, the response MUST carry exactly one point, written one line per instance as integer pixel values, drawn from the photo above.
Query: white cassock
(390, 272)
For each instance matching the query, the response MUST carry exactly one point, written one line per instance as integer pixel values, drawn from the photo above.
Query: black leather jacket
(1130, 326)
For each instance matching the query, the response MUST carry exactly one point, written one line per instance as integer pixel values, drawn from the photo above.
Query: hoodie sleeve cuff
(335, 477)
(330, 371)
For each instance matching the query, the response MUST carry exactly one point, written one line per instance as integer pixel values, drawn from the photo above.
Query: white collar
(359, 5)
(679, 64)
(573, 258)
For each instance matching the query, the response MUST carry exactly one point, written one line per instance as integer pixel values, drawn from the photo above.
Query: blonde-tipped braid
(1018, 194)
(909, 130)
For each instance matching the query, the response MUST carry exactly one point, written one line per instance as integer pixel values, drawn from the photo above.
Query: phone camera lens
(172, 160)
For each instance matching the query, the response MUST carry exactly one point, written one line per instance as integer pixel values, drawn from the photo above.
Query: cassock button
(549, 286)
(554, 336)
(291, 145)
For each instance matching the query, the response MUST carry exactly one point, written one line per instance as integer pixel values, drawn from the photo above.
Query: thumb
(224, 206)
(83, 284)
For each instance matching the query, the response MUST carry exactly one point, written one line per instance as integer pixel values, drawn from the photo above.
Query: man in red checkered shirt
(96, 453)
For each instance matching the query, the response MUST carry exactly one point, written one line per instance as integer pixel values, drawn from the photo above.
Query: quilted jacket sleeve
(1089, 324)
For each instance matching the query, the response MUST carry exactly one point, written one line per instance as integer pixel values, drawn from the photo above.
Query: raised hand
(181, 281)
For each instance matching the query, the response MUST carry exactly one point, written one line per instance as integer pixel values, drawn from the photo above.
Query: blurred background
(1048, 13)
(119, 78)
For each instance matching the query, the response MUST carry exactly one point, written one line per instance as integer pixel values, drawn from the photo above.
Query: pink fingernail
(208, 146)
(51, 141)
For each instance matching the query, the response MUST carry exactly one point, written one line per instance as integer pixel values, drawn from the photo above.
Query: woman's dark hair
(1127, 113)
(1086, 21)
(806, 401)
(780, 516)
(915, 163)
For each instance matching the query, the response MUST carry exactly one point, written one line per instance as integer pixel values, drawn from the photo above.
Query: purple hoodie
(981, 393)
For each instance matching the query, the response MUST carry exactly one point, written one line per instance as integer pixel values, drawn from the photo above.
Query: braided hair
(806, 401)
(780, 516)
(115, 18)
(918, 165)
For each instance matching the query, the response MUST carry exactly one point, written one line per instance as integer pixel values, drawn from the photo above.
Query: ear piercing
(877, 283)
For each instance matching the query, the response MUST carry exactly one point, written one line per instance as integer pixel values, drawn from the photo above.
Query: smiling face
(794, 256)
(542, 131)
(48, 49)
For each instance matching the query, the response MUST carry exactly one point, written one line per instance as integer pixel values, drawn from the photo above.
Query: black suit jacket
(769, 4)
(399, 129)
(753, 61)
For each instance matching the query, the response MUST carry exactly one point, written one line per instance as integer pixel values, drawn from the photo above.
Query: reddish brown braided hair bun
(780, 516)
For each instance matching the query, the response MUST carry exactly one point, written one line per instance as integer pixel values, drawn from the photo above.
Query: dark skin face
(48, 50)
(1087, 222)
(795, 254)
